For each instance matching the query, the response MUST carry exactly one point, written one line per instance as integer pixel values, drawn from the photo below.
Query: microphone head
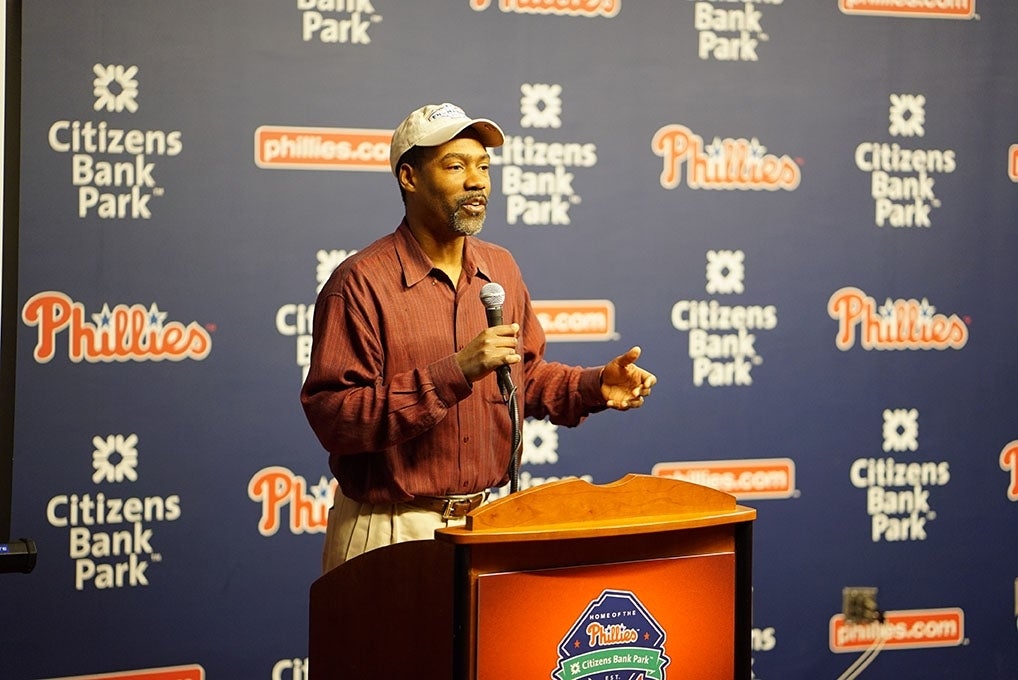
(492, 295)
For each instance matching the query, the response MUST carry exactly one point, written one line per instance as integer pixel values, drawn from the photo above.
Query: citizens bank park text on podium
(643, 578)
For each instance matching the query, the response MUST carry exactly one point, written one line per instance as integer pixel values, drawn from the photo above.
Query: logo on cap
(447, 111)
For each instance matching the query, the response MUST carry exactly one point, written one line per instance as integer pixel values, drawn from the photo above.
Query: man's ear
(407, 177)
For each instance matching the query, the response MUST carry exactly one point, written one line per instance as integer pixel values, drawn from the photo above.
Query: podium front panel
(647, 619)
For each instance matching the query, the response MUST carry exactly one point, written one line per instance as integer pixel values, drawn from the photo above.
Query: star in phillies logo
(615, 636)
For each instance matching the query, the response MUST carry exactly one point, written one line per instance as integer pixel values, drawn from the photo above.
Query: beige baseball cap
(436, 124)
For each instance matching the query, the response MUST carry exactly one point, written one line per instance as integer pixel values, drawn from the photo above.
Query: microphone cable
(515, 455)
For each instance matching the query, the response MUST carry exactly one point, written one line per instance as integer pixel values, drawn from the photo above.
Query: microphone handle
(505, 382)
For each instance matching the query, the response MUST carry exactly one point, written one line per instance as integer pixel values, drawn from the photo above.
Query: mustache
(471, 197)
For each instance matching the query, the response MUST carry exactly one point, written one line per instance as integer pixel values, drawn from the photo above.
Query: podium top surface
(573, 508)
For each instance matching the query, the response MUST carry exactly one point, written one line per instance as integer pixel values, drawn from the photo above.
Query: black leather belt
(449, 506)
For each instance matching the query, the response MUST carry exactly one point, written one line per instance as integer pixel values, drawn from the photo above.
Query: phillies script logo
(724, 164)
(615, 637)
(1009, 463)
(277, 488)
(897, 324)
(123, 333)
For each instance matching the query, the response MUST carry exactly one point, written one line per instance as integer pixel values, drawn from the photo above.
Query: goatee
(468, 226)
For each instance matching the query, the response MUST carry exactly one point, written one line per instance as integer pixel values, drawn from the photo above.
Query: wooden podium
(643, 578)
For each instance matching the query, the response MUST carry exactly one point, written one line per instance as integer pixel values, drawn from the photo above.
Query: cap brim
(489, 133)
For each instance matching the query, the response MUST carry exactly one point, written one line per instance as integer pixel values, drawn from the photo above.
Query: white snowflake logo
(541, 105)
(901, 429)
(725, 271)
(908, 115)
(328, 260)
(115, 458)
(540, 442)
(115, 88)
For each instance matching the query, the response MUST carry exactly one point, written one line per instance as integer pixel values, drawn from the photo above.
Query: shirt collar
(417, 266)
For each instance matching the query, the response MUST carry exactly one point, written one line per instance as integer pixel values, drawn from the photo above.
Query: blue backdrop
(804, 211)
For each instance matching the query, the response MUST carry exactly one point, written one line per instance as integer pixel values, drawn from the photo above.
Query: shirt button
(466, 439)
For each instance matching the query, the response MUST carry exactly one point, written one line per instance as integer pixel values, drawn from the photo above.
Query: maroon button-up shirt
(384, 393)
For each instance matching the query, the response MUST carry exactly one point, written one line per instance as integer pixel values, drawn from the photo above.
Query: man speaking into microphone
(402, 390)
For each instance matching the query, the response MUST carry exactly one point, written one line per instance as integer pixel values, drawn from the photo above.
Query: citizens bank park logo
(110, 539)
(277, 488)
(907, 629)
(571, 8)
(918, 9)
(898, 491)
(193, 672)
(753, 479)
(721, 344)
(538, 174)
(895, 325)
(615, 637)
(732, 164)
(119, 333)
(111, 165)
(729, 34)
(901, 179)
(337, 22)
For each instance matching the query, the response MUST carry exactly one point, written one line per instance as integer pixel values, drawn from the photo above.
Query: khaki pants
(356, 528)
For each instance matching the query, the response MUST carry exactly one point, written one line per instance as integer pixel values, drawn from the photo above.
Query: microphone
(493, 296)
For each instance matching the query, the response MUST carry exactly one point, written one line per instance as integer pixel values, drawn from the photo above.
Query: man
(402, 390)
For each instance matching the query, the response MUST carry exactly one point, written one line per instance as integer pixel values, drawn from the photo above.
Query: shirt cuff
(590, 387)
(451, 385)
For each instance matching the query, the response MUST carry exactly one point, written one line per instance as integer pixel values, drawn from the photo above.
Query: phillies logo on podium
(615, 637)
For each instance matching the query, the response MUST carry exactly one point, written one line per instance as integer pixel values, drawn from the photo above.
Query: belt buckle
(450, 507)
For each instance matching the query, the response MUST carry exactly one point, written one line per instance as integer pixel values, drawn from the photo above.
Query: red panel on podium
(670, 617)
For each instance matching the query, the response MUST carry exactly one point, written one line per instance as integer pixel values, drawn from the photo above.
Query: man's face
(452, 185)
